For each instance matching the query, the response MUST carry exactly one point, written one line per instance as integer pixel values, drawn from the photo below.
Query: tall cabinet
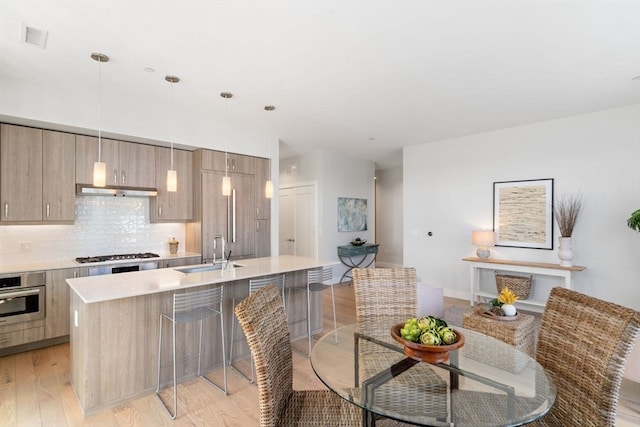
(172, 206)
(37, 174)
(234, 216)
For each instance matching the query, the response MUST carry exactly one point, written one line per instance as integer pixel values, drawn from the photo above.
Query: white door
(298, 225)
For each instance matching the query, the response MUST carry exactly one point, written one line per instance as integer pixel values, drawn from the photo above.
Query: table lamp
(483, 239)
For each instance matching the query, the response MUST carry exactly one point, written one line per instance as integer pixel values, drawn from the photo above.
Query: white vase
(509, 309)
(565, 253)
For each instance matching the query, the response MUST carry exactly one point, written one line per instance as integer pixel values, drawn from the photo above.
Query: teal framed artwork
(352, 214)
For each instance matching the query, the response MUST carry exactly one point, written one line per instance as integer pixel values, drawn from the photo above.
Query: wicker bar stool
(192, 307)
(254, 285)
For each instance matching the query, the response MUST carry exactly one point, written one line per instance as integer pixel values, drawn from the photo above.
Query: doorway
(298, 220)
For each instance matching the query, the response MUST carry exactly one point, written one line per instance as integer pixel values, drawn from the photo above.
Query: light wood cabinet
(57, 318)
(21, 173)
(263, 204)
(179, 262)
(263, 237)
(59, 175)
(214, 213)
(20, 333)
(87, 154)
(37, 174)
(227, 162)
(172, 206)
(128, 164)
(228, 216)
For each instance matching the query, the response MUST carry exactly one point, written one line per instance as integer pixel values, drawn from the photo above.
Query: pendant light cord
(99, 110)
(173, 127)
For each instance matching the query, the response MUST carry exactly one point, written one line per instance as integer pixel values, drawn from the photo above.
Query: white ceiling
(364, 77)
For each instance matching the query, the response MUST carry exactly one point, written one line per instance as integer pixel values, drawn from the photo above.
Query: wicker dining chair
(384, 297)
(263, 320)
(583, 344)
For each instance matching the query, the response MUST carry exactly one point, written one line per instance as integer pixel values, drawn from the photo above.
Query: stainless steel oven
(22, 297)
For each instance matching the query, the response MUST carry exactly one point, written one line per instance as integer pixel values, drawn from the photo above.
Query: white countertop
(38, 265)
(94, 289)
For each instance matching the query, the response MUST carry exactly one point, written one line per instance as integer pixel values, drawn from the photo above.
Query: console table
(357, 257)
(477, 264)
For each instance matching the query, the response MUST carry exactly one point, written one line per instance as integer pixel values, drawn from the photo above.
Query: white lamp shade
(226, 186)
(99, 174)
(268, 190)
(172, 181)
(483, 238)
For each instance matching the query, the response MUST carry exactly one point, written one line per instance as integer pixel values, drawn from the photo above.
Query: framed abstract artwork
(523, 213)
(352, 214)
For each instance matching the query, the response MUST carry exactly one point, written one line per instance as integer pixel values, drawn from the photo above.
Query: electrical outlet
(25, 246)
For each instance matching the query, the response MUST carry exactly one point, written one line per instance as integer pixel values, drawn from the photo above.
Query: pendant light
(226, 181)
(99, 167)
(268, 188)
(172, 175)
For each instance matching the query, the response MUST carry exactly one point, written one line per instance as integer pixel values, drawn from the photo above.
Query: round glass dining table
(484, 383)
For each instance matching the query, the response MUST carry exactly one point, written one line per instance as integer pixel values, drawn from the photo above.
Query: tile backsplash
(103, 226)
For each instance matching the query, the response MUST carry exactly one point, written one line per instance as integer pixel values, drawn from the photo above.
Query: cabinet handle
(258, 212)
(5, 340)
(48, 210)
(124, 180)
(257, 226)
(233, 218)
(115, 176)
(159, 211)
(75, 274)
(6, 209)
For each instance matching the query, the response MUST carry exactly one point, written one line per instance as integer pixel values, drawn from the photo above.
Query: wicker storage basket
(519, 285)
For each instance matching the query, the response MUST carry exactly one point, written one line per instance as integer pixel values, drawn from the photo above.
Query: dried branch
(567, 209)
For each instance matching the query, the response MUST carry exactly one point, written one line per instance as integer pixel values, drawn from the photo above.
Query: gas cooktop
(117, 257)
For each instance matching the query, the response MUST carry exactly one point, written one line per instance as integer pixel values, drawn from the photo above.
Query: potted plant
(634, 221)
(567, 210)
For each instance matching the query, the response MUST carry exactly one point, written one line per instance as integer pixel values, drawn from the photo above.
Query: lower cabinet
(179, 262)
(57, 317)
(21, 333)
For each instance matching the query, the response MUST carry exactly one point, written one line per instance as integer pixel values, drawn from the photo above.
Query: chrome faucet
(215, 239)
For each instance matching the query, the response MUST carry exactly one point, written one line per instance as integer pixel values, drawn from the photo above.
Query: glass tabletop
(484, 383)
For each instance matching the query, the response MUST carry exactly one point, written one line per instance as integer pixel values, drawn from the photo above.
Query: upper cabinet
(263, 204)
(59, 176)
(37, 174)
(173, 206)
(227, 162)
(128, 164)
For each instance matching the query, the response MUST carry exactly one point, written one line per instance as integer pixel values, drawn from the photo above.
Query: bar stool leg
(234, 323)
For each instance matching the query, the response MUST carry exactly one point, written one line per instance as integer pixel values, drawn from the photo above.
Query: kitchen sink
(202, 268)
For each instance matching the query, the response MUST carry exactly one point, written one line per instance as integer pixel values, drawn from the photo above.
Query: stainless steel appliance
(120, 267)
(22, 297)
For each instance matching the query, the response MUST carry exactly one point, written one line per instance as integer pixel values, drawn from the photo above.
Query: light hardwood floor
(35, 389)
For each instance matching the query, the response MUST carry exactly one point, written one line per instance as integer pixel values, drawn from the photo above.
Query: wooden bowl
(426, 353)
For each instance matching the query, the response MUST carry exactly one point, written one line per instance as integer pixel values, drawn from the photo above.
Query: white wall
(337, 176)
(389, 217)
(448, 188)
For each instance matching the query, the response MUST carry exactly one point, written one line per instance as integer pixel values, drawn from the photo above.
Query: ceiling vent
(34, 36)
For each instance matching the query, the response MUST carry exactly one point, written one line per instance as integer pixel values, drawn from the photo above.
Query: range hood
(90, 190)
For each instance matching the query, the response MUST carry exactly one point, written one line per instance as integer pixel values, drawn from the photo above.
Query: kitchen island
(114, 324)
